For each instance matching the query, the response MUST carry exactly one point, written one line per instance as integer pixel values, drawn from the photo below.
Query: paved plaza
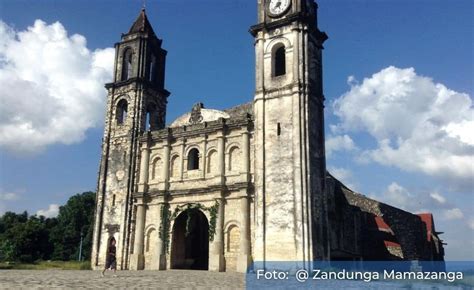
(70, 279)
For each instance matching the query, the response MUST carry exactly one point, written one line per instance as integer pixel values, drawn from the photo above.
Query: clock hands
(277, 7)
(278, 4)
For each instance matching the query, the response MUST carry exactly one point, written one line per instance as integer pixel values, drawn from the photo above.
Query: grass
(47, 265)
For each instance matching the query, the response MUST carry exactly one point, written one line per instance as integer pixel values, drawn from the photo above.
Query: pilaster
(137, 261)
(216, 255)
(144, 168)
(166, 165)
(244, 259)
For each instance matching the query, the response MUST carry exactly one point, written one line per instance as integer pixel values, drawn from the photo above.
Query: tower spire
(141, 24)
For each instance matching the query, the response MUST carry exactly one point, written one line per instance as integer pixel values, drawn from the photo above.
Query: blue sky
(410, 147)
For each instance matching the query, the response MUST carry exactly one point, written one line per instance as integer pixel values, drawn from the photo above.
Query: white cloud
(470, 223)
(438, 197)
(339, 143)
(51, 212)
(419, 125)
(52, 86)
(453, 214)
(343, 175)
(398, 196)
(8, 196)
(417, 201)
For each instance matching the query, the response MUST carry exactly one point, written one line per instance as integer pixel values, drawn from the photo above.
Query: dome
(199, 115)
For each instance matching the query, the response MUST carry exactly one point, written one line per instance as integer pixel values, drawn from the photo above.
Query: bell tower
(289, 133)
(136, 103)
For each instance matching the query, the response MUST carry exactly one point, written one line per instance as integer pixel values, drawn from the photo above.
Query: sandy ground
(71, 279)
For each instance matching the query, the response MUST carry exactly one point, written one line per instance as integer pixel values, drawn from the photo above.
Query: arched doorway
(190, 244)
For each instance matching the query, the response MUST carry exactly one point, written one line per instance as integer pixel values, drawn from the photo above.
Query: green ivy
(165, 225)
(166, 219)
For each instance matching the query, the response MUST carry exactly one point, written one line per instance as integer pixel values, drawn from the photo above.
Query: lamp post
(80, 249)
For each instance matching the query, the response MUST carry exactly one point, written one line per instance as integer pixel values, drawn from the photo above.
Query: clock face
(278, 7)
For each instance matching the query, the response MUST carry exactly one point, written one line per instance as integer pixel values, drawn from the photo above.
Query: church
(219, 189)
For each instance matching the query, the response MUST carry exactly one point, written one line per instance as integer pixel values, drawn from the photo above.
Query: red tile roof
(427, 219)
(381, 224)
(391, 244)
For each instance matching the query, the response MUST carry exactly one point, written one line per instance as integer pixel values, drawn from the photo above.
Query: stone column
(244, 258)
(216, 257)
(181, 161)
(161, 246)
(221, 156)
(165, 174)
(137, 259)
(246, 155)
(204, 156)
(144, 168)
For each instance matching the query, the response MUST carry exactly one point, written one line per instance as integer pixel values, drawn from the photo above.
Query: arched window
(174, 166)
(121, 113)
(127, 64)
(150, 240)
(193, 159)
(156, 169)
(212, 161)
(279, 62)
(235, 159)
(233, 239)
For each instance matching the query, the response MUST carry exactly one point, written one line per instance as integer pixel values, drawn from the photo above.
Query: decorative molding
(196, 116)
(112, 228)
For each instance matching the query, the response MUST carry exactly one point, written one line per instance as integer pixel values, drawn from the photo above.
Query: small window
(121, 113)
(147, 121)
(193, 159)
(278, 129)
(127, 64)
(113, 200)
(152, 69)
(150, 117)
(279, 62)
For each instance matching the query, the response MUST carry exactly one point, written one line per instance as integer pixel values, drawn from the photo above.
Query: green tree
(29, 238)
(74, 217)
(24, 239)
(7, 250)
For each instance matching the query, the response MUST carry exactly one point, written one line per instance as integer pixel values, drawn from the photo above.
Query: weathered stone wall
(407, 228)
(403, 238)
(363, 228)
(232, 227)
(344, 223)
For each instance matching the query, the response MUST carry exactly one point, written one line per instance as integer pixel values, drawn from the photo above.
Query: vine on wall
(165, 225)
(166, 219)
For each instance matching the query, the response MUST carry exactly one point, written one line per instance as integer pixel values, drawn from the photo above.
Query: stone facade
(216, 190)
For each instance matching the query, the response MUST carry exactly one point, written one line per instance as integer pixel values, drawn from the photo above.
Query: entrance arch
(190, 241)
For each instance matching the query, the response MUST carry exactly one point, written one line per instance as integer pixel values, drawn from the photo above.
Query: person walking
(111, 261)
